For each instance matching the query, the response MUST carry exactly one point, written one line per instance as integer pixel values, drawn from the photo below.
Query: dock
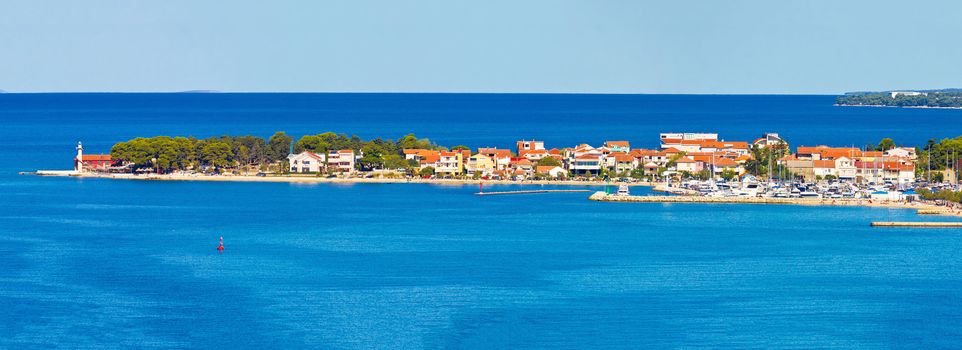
(497, 193)
(602, 197)
(929, 224)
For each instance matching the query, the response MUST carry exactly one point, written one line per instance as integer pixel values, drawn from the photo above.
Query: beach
(345, 180)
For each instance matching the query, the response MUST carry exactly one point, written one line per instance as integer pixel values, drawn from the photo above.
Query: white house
(305, 162)
(552, 171)
(902, 152)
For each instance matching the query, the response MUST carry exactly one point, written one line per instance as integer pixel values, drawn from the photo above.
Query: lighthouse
(78, 164)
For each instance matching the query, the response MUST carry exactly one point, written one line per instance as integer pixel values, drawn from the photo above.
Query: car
(261, 174)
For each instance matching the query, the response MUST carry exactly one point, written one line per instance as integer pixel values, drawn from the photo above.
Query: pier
(921, 208)
(916, 224)
(498, 193)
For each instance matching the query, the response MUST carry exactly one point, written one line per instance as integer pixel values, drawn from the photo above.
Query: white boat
(623, 190)
(809, 194)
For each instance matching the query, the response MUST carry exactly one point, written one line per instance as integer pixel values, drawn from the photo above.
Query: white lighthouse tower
(78, 164)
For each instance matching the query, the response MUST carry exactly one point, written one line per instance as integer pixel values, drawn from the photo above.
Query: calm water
(97, 263)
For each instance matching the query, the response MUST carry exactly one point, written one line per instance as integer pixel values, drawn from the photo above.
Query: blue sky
(480, 46)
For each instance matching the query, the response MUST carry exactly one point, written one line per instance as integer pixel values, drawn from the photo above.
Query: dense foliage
(951, 98)
(165, 154)
(941, 155)
(765, 160)
(951, 196)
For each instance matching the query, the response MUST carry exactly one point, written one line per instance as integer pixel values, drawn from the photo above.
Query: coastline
(922, 208)
(337, 180)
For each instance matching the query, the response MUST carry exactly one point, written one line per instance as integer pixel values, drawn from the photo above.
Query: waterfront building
(522, 164)
(424, 157)
(501, 157)
(555, 172)
(534, 155)
(525, 146)
(722, 164)
(480, 163)
(91, 162)
(689, 165)
(620, 162)
(769, 139)
(651, 169)
(584, 159)
(305, 162)
(585, 164)
(902, 152)
(450, 163)
(677, 136)
(341, 160)
(618, 146)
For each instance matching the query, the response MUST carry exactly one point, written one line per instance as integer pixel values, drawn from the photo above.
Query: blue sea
(95, 263)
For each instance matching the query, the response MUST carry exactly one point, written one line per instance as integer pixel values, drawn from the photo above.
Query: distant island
(945, 98)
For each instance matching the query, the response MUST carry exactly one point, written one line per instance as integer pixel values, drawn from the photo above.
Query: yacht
(623, 190)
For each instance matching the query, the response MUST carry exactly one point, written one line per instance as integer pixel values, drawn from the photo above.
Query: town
(688, 163)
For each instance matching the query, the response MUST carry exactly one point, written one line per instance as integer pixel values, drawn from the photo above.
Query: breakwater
(922, 208)
(526, 192)
(916, 224)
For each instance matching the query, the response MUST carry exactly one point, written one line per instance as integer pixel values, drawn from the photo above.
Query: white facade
(689, 136)
(305, 162)
(343, 160)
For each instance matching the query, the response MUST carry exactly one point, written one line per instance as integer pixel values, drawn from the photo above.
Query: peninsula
(764, 170)
(945, 98)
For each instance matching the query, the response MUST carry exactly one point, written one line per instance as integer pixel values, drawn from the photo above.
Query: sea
(98, 263)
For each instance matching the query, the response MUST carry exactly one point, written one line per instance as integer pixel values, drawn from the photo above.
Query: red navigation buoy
(220, 247)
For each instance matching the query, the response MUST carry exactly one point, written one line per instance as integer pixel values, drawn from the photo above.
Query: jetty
(921, 208)
(603, 197)
(499, 193)
(929, 224)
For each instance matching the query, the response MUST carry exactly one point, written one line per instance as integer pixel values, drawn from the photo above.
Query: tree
(373, 156)
(311, 143)
(394, 161)
(460, 148)
(549, 161)
(704, 174)
(426, 171)
(216, 154)
(278, 146)
(885, 145)
(729, 174)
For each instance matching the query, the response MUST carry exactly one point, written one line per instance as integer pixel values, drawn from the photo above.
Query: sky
(550, 46)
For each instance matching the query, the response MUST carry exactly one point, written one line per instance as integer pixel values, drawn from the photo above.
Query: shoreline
(337, 180)
(922, 208)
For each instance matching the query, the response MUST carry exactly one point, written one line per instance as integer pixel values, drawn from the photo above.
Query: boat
(623, 190)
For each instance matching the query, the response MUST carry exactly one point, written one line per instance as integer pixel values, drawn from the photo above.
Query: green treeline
(931, 99)
(164, 154)
(941, 155)
(951, 196)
